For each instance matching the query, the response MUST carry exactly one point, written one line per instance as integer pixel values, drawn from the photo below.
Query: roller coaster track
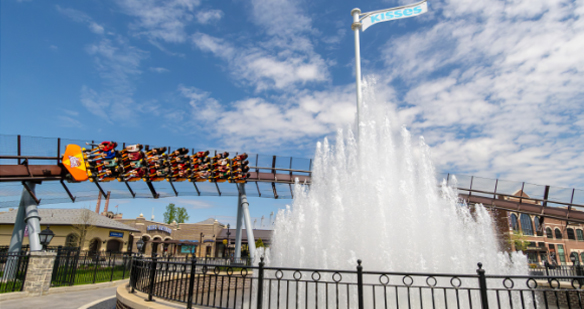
(509, 200)
(25, 172)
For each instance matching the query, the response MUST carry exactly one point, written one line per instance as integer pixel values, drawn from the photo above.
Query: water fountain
(377, 199)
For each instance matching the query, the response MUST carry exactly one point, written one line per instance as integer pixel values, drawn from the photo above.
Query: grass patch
(11, 286)
(86, 275)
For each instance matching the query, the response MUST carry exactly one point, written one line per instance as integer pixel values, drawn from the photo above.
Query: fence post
(152, 275)
(133, 275)
(65, 272)
(483, 286)
(56, 266)
(74, 267)
(96, 264)
(113, 267)
(191, 283)
(547, 271)
(360, 284)
(124, 260)
(260, 283)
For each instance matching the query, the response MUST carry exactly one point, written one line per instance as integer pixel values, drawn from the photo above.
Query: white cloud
(189, 203)
(290, 21)
(209, 16)
(159, 70)
(81, 17)
(117, 63)
(268, 124)
(161, 20)
(496, 87)
(283, 58)
(264, 68)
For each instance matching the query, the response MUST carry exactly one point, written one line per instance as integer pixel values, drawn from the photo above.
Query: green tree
(519, 241)
(173, 213)
(259, 243)
(170, 213)
(181, 215)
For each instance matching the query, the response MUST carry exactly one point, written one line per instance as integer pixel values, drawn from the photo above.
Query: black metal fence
(218, 261)
(273, 287)
(13, 267)
(557, 271)
(73, 267)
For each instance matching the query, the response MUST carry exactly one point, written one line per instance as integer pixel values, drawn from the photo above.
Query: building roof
(69, 217)
(208, 221)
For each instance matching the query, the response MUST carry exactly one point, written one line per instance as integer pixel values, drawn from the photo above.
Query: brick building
(552, 240)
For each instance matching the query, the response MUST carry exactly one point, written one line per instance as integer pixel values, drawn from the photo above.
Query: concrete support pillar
(39, 272)
(33, 222)
(19, 225)
(238, 229)
(248, 226)
(24, 214)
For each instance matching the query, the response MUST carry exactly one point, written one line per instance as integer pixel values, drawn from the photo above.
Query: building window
(576, 257)
(71, 240)
(514, 224)
(526, 225)
(558, 234)
(580, 235)
(543, 256)
(532, 257)
(561, 254)
(582, 256)
(549, 233)
(571, 234)
(537, 226)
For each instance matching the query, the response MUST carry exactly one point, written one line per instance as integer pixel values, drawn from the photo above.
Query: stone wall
(39, 272)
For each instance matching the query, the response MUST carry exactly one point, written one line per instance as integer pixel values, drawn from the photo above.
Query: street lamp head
(46, 236)
(140, 245)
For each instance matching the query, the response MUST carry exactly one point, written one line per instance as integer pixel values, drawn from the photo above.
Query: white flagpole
(375, 17)
(356, 26)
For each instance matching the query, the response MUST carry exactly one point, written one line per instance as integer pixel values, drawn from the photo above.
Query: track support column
(238, 228)
(26, 214)
(248, 226)
(32, 219)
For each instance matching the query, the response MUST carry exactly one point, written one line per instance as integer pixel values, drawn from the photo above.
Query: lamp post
(45, 237)
(201, 244)
(140, 245)
(228, 233)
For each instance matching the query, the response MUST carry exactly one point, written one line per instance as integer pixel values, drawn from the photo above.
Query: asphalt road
(107, 304)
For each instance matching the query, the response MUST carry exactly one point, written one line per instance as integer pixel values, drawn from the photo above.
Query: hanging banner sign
(372, 18)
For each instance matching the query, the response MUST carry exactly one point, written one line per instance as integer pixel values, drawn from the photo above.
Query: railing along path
(280, 287)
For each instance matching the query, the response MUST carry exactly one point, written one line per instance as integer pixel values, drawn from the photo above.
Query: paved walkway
(72, 300)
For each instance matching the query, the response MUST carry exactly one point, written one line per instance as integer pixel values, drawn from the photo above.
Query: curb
(85, 287)
(86, 306)
(137, 300)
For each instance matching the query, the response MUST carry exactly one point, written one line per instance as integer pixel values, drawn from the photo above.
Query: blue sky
(495, 87)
